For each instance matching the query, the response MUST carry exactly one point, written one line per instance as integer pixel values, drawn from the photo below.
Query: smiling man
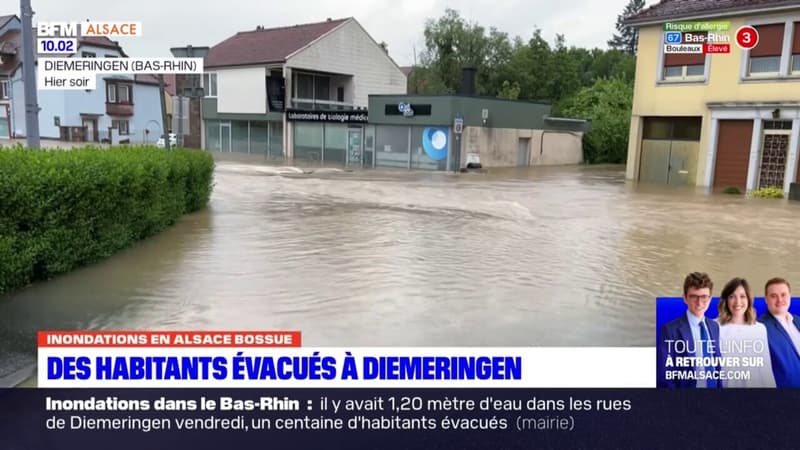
(783, 333)
(689, 340)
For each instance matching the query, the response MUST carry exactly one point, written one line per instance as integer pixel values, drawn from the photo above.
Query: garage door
(733, 154)
(669, 149)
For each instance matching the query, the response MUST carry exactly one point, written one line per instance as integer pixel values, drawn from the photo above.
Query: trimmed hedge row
(61, 209)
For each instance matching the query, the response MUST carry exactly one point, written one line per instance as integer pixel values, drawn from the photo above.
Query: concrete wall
(498, 147)
(242, 90)
(350, 50)
(724, 84)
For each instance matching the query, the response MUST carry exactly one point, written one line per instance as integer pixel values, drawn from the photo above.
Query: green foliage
(767, 192)
(607, 104)
(509, 91)
(61, 209)
(627, 38)
(531, 69)
(732, 191)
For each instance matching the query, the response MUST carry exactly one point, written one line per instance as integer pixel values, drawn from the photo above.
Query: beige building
(727, 120)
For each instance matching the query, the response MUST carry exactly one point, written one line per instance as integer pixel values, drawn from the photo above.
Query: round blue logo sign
(434, 141)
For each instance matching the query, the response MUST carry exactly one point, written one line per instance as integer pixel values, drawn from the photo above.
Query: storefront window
(335, 143)
(258, 138)
(307, 141)
(212, 135)
(275, 150)
(239, 136)
(391, 146)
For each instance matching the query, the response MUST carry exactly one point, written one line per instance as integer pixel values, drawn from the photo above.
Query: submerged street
(562, 256)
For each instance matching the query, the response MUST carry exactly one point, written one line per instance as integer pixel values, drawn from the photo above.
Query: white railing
(310, 103)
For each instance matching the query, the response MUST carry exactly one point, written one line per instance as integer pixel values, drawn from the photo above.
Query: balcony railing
(119, 109)
(324, 105)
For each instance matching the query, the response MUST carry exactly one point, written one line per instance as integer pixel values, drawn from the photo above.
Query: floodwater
(570, 256)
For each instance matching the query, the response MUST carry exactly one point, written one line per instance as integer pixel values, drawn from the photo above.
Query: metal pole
(29, 74)
(164, 128)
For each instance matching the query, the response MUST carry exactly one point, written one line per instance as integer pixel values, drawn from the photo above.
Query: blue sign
(434, 141)
(673, 37)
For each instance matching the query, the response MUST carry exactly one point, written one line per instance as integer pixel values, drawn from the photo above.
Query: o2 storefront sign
(406, 109)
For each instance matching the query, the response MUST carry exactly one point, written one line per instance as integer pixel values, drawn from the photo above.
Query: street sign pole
(29, 76)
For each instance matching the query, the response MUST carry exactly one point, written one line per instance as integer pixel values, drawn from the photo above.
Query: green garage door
(670, 146)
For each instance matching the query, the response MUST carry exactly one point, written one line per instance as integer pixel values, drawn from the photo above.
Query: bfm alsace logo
(62, 37)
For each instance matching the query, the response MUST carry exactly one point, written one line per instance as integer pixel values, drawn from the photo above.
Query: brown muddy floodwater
(541, 257)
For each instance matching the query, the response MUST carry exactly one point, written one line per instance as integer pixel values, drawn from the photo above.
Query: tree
(627, 37)
(607, 104)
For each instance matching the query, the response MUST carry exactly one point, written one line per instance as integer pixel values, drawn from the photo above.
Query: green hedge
(61, 209)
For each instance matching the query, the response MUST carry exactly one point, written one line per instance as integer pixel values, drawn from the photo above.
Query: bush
(767, 192)
(608, 105)
(62, 209)
(732, 190)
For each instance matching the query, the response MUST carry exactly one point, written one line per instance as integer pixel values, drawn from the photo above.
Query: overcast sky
(400, 23)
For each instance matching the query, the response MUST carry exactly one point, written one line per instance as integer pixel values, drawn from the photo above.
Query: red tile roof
(677, 9)
(269, 45)
(148, 78)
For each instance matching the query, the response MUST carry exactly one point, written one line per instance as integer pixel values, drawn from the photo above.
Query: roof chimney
(329, 19)
(468, 81)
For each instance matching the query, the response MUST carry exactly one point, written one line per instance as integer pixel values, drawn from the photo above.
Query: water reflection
(541, 257)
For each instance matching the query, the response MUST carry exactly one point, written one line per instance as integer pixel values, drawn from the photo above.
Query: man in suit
(783, 333)
(691, 336)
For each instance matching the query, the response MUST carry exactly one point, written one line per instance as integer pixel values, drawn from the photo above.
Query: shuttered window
(765, 58)
(684, 66)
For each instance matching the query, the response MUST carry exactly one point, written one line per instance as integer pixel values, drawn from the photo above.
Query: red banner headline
(169, 338)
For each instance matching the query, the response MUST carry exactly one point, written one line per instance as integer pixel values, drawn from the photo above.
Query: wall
(242, 90)
(146, 114)
(498, 147)
(689, 99)
(350, 50)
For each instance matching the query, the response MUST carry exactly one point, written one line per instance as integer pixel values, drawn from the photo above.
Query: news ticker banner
(475, 418)
(707, 37)
(69, 73)
(275, 359)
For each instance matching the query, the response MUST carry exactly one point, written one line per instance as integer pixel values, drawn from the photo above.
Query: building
(10, 61)
(123, 108)
(445, 132)
(718, 120)
(260, 87)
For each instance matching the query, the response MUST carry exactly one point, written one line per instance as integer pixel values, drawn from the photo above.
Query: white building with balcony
(295, 92)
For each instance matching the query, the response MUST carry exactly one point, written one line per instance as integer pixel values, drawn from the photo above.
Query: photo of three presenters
(737, 349)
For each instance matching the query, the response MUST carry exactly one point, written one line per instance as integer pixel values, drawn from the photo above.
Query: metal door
(355, 148)
(523, 152)
(655, 161)
(679, 167)
(225, 137)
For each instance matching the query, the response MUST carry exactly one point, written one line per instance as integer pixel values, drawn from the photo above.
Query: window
(210, 84)
(122, 125)
(765, 58)
(88, 55)
(684, 66)
(316, 88)
(4, 87)
(119, 93)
